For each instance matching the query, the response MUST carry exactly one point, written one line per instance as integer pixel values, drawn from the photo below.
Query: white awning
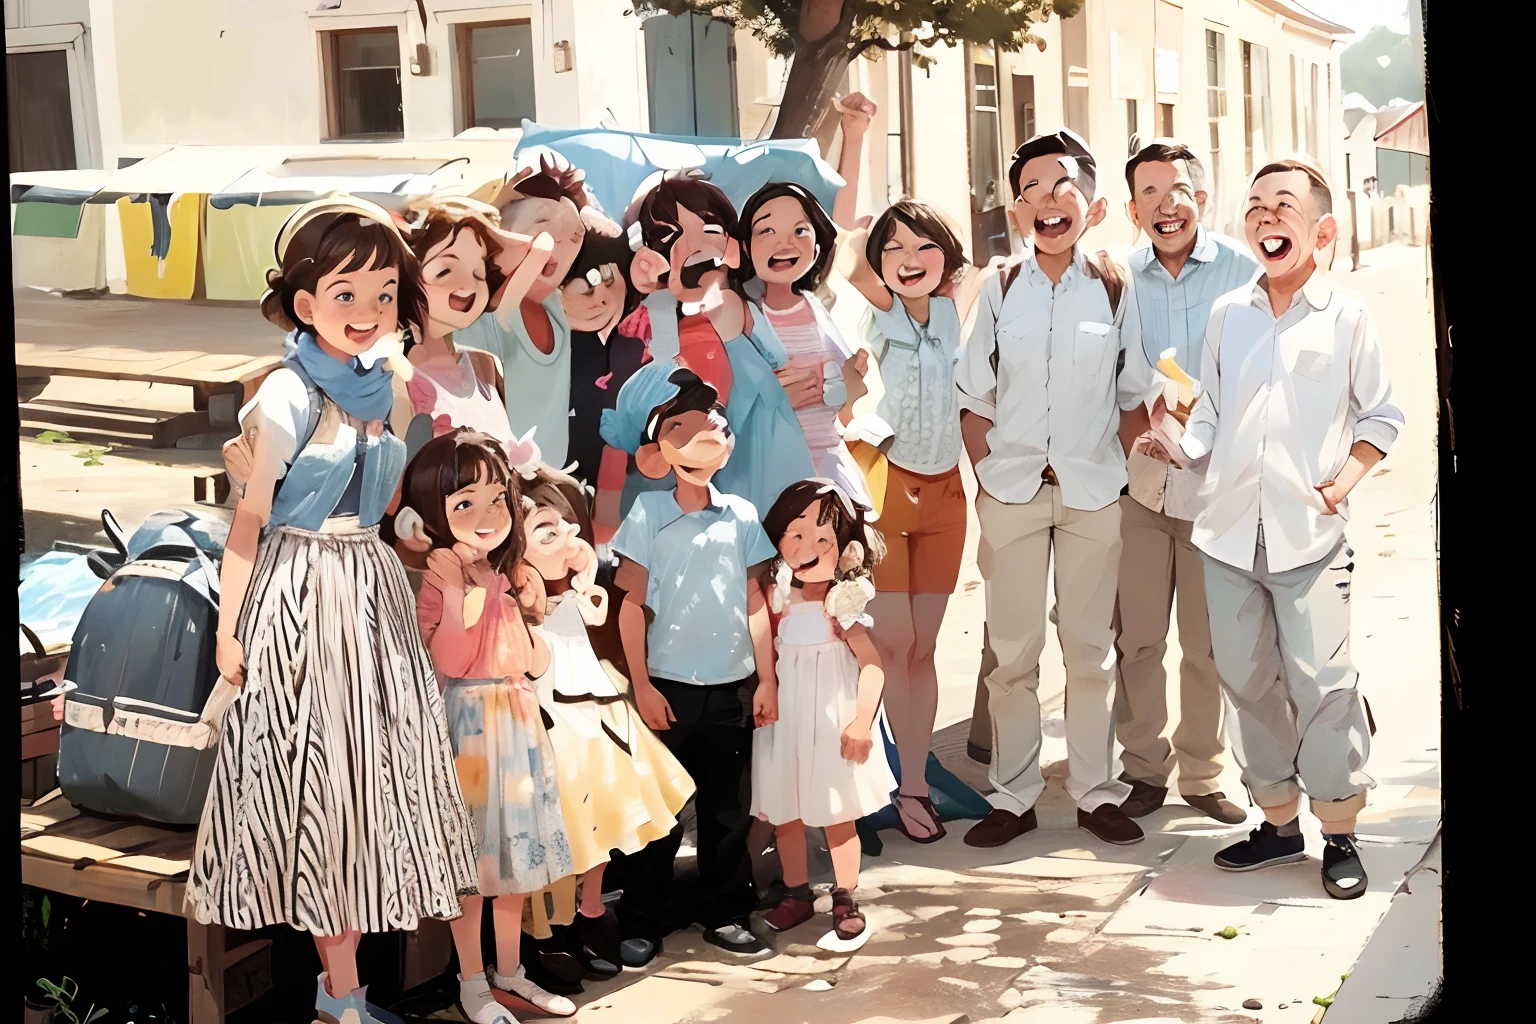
(182, 169)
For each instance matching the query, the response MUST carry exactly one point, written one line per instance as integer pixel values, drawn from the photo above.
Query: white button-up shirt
(1058, 386)
(1282, 403)
(1174, 312)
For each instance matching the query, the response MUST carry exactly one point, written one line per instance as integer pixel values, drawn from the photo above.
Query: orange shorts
(923, 524)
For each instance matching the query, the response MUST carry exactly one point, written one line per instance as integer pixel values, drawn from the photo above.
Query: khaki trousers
(1017, 542)
(1281, 641)
(1157, 558)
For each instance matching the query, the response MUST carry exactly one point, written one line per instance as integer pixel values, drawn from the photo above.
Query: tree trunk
(818, 64)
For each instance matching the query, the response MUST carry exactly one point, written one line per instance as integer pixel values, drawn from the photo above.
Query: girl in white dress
(812, 766)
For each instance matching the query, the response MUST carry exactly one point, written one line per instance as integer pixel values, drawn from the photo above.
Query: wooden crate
(39, 750)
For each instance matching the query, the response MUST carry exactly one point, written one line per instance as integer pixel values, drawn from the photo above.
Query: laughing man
(1296, 409)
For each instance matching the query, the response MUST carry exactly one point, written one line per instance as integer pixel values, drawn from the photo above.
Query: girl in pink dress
(462, 497)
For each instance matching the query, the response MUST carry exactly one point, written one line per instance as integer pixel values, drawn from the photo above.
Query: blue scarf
(365, 394)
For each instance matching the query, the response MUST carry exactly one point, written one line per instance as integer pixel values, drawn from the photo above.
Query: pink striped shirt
(808, 350)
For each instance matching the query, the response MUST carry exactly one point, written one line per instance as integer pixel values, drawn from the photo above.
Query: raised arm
(522, 263)
(857, 110)
(852, 265)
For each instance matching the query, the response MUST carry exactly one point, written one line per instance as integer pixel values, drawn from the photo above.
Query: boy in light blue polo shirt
(702, 671)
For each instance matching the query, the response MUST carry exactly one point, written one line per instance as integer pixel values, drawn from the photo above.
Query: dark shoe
(1265, 847)
(1343, 875)
(976, 752)
(600, 935)
(1110, 824)
(638, 952)
(1144, 799)
(738, 940)
(848, 922)
(790, 913)
(1215, 805)
(1000, 827)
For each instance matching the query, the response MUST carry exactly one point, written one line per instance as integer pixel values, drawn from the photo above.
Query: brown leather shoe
(1000, 827)
(1109, 823)
(1216, 805)
(1144, 799)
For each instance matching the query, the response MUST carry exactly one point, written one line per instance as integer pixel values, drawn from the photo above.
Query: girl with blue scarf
(334, 807)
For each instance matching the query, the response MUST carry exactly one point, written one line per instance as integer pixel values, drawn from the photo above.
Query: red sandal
(847, 920)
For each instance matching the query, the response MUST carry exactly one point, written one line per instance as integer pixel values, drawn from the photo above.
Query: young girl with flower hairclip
(812, 767)
(462, 497)
(620, 787)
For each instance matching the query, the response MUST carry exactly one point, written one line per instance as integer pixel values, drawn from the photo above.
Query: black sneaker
(1343, 875)
(1264, 848)
(733, 938)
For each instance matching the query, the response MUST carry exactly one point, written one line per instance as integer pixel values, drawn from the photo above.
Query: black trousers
(712, 738)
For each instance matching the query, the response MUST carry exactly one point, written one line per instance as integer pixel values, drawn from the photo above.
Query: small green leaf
(1228, 932)
(1323, 1000)
(53, 437)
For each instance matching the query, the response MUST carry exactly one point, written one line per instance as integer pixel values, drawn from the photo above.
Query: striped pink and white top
(808, 350)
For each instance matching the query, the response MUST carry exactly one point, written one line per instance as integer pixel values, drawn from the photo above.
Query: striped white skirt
(334, 806)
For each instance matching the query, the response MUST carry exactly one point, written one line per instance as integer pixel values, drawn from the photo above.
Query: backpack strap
(1010, 274)
(1102, 268)
(316, 402)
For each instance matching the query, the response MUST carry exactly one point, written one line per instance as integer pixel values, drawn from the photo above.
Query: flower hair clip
(524, 457)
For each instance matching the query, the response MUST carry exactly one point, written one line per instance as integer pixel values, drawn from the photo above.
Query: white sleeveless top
(479, 410)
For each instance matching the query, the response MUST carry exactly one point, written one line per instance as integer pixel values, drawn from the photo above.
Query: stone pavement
(1057, 928)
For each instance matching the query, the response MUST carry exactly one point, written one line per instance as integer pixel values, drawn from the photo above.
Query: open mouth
(697, 266)
(910, 278)
(461, 302)
(361, 334)
(485, 534)
(551, 268)
(1168, 228)
(1053, 226)
(1276, 247)
(783, 262)
(807, 566)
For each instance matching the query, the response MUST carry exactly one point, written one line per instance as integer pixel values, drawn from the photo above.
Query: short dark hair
(343, 243)
(604, 244)
(1050, 145)
(1322, 194)
(444, 226)
(1165, 151)
(821, 227)
(658, 211)
(693, 396)
(551, 181)
(924, 220)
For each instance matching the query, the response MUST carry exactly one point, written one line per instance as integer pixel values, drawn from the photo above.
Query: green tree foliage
(823, 36)
(1361, 71)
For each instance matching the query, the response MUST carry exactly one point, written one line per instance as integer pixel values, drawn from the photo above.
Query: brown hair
(821, 227)
(553, 489)
(551, 181)
(443, 225)
(846, 516)
(925, 220)
(659, 225)
(1322, 195)
(449, 463)
(342, 242)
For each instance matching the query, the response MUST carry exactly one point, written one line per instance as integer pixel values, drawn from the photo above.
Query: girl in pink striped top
(787, 245)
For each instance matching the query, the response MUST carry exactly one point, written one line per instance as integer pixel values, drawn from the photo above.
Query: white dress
(798, 770)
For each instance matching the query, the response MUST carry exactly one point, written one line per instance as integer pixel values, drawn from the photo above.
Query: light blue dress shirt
(1173, 310)
(696, 583)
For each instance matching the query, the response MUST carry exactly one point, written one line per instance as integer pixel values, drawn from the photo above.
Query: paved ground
(1058, 928)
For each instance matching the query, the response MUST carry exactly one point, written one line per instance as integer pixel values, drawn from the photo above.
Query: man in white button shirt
(1053, 386)
(1296, 409)
(1178, 276)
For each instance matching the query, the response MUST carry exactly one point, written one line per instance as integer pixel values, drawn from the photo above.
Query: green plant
(92, 456)
(63, 995)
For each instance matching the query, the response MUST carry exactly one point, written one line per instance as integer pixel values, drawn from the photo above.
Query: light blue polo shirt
(696, 565)
(538, 383)
(1174, 310)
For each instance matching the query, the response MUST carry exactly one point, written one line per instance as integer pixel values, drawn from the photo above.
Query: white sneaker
(520, 986)
(477, 1005)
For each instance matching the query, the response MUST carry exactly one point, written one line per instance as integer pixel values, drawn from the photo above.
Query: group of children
(519, 459)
